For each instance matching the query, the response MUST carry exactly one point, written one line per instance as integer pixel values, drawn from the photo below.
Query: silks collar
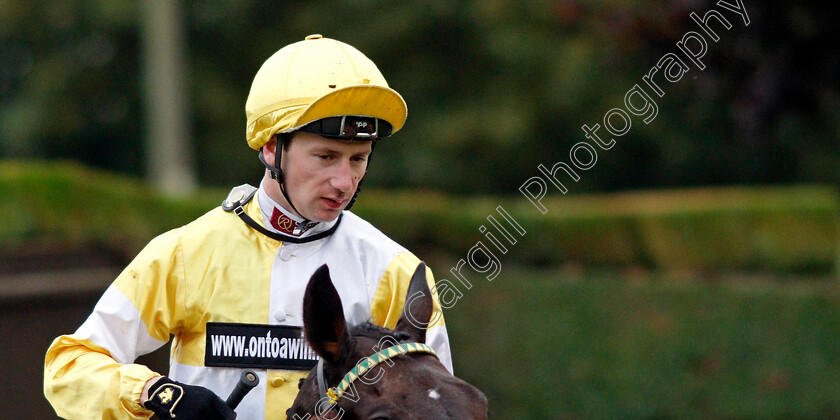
(282, 220)
(241, 195)
(335, 393)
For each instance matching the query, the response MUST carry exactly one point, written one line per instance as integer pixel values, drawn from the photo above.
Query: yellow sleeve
(76, 369)
(90, 374)
(389, 298)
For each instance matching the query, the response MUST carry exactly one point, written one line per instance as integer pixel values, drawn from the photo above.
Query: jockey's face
(320, 174)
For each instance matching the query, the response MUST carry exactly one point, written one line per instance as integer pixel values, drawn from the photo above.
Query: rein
(335, 393)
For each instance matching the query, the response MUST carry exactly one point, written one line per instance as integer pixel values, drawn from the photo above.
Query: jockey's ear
(323, 317)
(418, 307)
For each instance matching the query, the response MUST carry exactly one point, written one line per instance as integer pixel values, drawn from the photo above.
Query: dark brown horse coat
(409, 386)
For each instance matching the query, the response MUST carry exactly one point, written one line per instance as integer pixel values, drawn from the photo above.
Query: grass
(552, 344)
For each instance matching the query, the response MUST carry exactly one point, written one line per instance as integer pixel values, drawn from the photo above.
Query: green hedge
(75, 205)
(791, 228)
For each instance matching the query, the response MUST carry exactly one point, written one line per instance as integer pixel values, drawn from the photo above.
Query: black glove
(170, 400)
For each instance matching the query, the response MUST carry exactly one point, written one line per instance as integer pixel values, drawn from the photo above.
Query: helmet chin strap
(276, 172)
(359, 185)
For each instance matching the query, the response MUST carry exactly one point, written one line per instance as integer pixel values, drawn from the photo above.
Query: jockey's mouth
(334, 203)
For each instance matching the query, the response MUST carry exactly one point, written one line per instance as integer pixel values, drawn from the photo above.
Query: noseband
(335, 393)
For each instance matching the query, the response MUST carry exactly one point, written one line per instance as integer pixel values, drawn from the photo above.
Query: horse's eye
(300, 383)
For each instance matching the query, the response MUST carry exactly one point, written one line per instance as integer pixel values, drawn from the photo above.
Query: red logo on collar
(286, 225)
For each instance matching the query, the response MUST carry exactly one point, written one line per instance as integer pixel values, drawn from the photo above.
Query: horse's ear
(418, 306)
(323, 317)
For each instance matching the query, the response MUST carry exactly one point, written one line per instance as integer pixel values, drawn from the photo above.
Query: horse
(374, 373)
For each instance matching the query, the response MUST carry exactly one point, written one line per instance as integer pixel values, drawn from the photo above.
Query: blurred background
(691, 272)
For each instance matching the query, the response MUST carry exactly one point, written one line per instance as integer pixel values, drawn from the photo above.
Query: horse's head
(394, 375)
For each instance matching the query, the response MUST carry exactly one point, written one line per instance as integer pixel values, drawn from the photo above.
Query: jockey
(228, 287)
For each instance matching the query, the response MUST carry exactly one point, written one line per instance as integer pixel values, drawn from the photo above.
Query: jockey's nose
(344, 177)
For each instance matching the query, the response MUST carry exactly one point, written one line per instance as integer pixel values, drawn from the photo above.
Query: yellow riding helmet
(314, 79)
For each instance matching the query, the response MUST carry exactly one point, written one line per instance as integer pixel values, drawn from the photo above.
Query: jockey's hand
(173, 400)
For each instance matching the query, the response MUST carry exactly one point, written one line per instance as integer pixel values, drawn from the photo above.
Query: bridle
(364, 366)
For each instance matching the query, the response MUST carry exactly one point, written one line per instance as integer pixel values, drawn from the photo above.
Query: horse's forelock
(369, 330)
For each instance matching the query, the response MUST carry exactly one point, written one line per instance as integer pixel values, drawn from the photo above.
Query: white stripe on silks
(115, 313)
(438, 339)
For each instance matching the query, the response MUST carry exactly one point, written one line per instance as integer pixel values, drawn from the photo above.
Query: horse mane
(375, 332)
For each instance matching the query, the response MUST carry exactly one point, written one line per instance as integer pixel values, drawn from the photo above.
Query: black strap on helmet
(276, 172)
(359, 186)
